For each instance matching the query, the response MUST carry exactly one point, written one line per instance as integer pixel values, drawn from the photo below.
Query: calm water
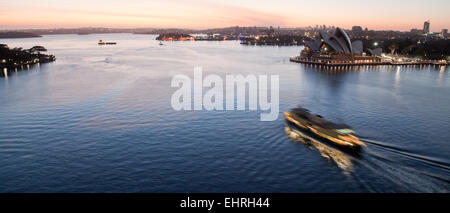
(99, 119)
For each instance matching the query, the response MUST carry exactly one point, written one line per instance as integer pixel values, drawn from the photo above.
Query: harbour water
(99, 119)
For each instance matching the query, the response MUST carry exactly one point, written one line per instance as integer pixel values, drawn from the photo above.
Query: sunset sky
(200, 14)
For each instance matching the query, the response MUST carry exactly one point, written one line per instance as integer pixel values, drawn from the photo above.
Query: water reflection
(397, 79)
(441, 75)
(5, 72)
(342, 160)
(334, 76)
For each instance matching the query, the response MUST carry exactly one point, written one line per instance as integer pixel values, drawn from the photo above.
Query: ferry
(338, 134)
(101, 42)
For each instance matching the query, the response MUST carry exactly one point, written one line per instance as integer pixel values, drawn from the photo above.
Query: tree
(4, 50)
(3, 46)
(408, 49)
(37, 49)
(393, 47)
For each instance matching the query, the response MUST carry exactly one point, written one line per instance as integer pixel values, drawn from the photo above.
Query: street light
(375, 44)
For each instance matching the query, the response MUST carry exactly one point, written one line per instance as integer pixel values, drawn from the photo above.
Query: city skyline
(202, 14)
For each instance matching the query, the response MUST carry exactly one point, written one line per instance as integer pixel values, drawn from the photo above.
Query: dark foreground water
(99, 119)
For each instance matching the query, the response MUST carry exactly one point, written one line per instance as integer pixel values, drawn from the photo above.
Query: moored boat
(339, 134)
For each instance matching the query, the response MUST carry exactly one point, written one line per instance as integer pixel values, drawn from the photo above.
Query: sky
(201, 14)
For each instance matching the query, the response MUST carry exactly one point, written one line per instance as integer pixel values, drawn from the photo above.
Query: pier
(331, 63)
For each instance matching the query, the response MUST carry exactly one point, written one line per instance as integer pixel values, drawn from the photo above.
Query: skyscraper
(444, 33)
(426, 27)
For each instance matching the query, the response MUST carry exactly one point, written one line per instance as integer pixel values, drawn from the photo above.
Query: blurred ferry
(339, 134)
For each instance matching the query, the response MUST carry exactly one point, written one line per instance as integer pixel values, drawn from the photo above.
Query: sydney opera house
(337, 49)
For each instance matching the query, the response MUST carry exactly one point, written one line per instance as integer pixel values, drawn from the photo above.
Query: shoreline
(427, 62)
(18, 59)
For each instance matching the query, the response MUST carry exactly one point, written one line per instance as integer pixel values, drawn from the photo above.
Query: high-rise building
(426, 27)
(444, 33)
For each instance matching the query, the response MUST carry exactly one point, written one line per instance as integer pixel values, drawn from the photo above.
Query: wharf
(378, 63)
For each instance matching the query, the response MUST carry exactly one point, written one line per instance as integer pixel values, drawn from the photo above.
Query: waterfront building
(337, 49)
(416, 31)
(426, 27)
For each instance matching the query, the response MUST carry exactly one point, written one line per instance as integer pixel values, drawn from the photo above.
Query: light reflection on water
(328, 152)
(99, 120)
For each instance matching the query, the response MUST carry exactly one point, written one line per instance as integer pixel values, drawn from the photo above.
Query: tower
(426, 27)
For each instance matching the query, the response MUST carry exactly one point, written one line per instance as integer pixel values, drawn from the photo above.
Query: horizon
(181, 28)
(401, 15)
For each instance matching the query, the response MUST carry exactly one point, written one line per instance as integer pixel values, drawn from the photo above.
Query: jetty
(332, 63)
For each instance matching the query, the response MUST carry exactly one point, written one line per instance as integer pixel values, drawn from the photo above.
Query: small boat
(338, 134)
(101, 42)
(160, 43)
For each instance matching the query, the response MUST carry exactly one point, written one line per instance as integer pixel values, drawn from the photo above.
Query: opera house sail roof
(339, 43)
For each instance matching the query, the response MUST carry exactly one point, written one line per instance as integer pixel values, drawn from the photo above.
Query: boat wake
(406, 170)
(393, 168)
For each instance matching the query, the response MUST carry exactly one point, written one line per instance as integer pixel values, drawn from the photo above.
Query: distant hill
(18, 35)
